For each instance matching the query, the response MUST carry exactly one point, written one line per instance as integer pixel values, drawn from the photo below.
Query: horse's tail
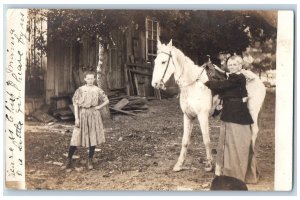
(256, 93)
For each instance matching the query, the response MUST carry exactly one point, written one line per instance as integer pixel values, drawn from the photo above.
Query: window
(152, 35)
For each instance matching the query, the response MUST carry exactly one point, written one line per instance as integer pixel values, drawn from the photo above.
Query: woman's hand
(207, 83)
(77, 123)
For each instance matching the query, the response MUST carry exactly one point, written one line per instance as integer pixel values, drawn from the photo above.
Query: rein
(197, 79)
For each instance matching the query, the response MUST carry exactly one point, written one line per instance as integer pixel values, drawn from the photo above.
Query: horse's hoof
(208, 167)
(177, 168)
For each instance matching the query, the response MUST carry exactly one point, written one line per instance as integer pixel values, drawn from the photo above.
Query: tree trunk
(102, 83)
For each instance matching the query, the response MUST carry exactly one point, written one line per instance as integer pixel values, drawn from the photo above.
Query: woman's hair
(85, 73)
(236, 58)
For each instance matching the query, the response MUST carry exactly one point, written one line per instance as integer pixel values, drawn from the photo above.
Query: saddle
(213, 74)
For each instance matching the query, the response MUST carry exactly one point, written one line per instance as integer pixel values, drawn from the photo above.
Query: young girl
(235, 157)
(88, 131)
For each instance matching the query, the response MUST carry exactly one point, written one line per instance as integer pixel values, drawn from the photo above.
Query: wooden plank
(43, 117)
(136, 107)
(72, 108)
(97, 50)
(121, 104)
(141, 85)
(66, 68)
(141, 73)
(76, 79)
(138, 111)
(139, 101)
(151, 98)
(61, 70)
(147, 36)
(130, 98)
(50, 72)
(70, 66)
(122, 111)
(84, 52)
(118, 97)
(118, 80)
(56, 64)
(126, 80)
(81, 76)
(63, 112)
(149, 90)
(128, 44)
(92, 52)
(130, 80)
(118, 89)
(136, 84)
(146, 65)
(143, 44)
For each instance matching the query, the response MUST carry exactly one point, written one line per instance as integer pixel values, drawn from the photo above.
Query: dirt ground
(139, 153)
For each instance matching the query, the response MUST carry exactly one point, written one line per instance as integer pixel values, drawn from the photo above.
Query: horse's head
(163, 65)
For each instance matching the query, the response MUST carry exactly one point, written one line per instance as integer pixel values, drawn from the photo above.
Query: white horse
(195, 98)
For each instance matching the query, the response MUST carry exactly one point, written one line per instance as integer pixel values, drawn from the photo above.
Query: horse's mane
(185, 62)
(183, 59)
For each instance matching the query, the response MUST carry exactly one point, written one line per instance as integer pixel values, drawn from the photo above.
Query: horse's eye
(163, 62)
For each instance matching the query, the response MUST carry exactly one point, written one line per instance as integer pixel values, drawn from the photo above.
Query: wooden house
(58, 71)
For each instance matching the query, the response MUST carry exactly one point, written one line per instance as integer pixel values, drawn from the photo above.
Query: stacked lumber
(129, 105)
(116, 93)
(64, 113)
(43, 116)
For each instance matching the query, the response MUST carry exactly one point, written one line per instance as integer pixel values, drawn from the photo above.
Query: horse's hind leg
(188, 126)
(254, 126)
(203, 120)
(255, 129)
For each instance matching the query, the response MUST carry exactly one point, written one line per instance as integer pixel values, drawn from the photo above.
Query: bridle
(177, 81)
(170, 57)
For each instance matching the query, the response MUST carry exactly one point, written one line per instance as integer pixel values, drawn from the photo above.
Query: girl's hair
(85, 73)
(237, 58)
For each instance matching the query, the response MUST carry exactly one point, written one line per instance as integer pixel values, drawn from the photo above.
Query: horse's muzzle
(159, 85)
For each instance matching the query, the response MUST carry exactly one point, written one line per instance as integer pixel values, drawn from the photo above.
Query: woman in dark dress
(235, 157)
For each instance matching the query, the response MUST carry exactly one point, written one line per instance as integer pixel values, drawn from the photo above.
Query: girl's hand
(77, 123)
(102, 105)
(97, 107)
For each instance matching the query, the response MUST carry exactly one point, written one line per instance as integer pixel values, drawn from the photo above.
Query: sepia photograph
(142, 100)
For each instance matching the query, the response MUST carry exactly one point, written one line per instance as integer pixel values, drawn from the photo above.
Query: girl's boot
(90, 164)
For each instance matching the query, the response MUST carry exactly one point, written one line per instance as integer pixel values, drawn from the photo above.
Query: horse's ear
(170, 43)
(158, 44)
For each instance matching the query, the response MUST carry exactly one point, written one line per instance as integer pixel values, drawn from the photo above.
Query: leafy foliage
(197, 33)
(210, 32)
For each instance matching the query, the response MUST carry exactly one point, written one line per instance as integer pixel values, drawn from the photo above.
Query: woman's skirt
(91, 130)
(235, 155)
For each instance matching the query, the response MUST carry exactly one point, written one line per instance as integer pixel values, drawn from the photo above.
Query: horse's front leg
(186, 140)
(203, 120)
